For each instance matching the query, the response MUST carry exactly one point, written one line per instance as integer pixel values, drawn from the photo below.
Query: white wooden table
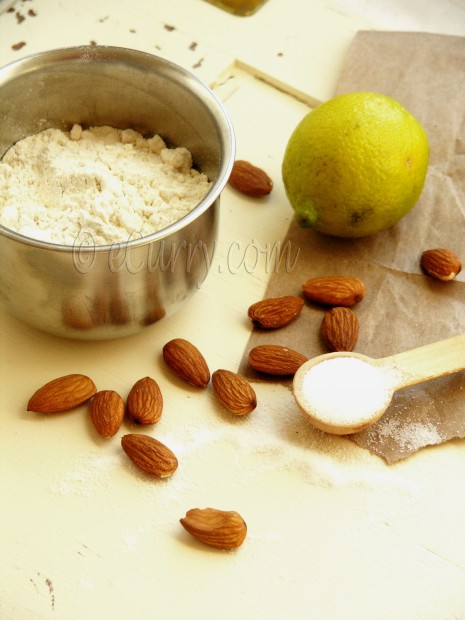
(333, 532)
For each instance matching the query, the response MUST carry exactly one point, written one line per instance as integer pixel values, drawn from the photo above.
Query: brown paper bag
(403, 308)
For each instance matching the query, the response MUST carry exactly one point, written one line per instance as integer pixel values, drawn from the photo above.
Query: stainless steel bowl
(97, 292)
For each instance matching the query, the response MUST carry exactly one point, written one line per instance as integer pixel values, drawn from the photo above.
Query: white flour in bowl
(113, 185)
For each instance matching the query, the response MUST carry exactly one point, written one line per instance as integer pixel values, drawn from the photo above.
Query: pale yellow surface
(333, 532)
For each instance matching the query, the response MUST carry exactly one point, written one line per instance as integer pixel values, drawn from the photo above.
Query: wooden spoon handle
(432, 360)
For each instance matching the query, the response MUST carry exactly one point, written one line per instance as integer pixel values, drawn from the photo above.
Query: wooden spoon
(344, 392)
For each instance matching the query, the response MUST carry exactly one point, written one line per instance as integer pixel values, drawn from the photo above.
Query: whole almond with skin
(222, 529)
(144, 403)
(441, 264)
(150, 455)
(234, 392)
(275, 312)
(339, 329)
(334, 290)
(62, 394)
(186, 361)
(273, 359)
(107, 412)
(249, 179)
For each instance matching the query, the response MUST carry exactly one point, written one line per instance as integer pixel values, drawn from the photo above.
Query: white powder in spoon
(109, 184)
(346, 390)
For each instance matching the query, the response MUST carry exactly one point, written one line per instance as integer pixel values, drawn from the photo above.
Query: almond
(275, 312)
(218, 528)
(186, 361)
(62, 394)
(150, 455)
(441, 264)
(107, 412)
(249, 179)
(339, 329)
(274, 359)
(334, 290)
(234, 392)
(144, 403)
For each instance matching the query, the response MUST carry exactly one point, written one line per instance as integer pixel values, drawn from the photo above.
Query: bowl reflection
(87, 291)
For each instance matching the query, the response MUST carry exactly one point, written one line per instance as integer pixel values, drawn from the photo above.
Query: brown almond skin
(234, 392)
(339, 329)
(441, 264)
(334, 290)
(249, 179)
(107, 412)
(218, 528)
(150, 455)
(144, 404)
(273, 359)
(275, 312)
(62, 394)
(186, 361)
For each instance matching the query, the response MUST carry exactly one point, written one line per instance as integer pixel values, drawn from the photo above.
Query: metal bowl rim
(214, 192)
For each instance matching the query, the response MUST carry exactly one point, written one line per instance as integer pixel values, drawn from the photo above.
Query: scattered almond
(234, 392)
(249, 179)
(275, 312)
(334, 290)
(107, 412)
(441, 264)
(186, 361)
(218, 528)
(62, 394)
(339, 329)
(274, 359)
(150, 455)
(144, 403)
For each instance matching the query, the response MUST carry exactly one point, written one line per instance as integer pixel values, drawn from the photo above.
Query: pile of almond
(233, 391)
(339, 328)
(144, 405)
